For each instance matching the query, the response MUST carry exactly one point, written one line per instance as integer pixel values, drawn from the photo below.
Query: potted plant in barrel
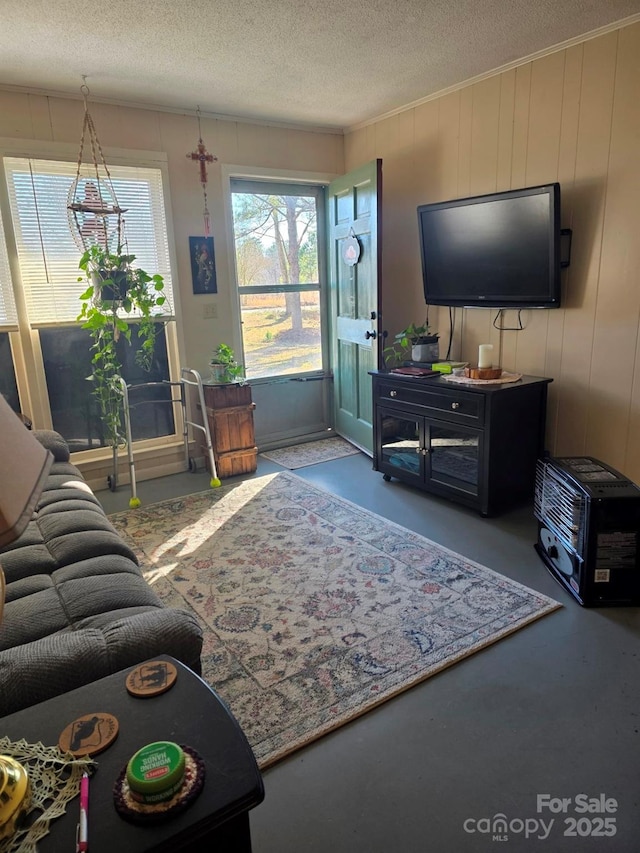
(224, 367)
(415, 342)
(117, 289)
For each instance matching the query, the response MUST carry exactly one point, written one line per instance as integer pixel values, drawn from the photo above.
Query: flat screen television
(500, 250)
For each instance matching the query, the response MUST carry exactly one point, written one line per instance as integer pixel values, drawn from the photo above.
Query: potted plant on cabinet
(416, 342)
(117, 290)
(224, 367)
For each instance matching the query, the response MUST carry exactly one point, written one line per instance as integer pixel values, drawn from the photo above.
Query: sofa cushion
(107, 586)
(31, 558)
(34, 615)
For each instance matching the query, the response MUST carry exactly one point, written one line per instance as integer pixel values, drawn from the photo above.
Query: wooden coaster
(89, 735)
(483, 372)
(151, 678)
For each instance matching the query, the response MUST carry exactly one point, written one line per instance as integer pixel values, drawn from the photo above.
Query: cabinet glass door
(401, 443)
(454, 458)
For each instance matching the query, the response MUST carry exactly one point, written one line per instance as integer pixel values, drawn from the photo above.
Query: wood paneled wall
(574, 117)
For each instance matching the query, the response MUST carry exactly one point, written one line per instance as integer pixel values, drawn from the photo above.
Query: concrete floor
(553, 709)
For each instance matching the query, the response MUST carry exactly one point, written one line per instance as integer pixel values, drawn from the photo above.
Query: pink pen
(82, 844)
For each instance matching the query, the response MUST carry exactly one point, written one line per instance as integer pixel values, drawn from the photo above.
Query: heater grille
(560, 507)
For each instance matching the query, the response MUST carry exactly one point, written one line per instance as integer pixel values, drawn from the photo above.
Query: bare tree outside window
(276, 241)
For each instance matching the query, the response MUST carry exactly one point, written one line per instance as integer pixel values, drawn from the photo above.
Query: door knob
(373, 335)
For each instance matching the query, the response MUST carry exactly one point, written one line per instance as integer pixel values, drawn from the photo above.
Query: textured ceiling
(329, 63)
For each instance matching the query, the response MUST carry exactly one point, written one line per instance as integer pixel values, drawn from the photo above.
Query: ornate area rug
(314, 609)
(300, 455)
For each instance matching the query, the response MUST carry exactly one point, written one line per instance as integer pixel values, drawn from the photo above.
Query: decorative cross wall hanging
(203, 157)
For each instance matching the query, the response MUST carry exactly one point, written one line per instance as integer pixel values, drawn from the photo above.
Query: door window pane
(276, 240)
(272, 345)
(74, 411)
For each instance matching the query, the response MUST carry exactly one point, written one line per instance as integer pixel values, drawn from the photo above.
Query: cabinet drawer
(451, 404)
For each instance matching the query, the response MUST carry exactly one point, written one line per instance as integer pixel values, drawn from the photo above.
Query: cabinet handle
(393, 393)
(455, 405)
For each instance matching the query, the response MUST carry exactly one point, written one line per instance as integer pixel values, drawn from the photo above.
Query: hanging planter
(119, 293)
(110, 285)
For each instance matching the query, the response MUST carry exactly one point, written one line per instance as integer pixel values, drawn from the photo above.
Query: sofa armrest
(45, 668)
(54, 442)
(61, 662)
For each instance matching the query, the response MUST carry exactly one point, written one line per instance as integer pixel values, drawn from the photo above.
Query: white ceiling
(330, 63)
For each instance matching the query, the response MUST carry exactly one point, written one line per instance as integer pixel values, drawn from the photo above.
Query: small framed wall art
(203, 265)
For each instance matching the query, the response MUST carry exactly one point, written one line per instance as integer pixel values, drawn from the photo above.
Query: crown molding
(509, 66)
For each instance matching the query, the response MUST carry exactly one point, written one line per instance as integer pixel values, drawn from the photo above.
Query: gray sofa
(77, 607)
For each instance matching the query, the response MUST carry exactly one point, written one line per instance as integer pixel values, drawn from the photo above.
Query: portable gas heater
(589, 529)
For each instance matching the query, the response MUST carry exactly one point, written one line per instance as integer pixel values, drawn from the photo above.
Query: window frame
(25, 343)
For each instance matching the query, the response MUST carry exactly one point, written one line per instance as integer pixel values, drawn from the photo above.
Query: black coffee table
(189, 713)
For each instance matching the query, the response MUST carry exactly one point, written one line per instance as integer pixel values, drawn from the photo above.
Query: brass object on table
(15, 795)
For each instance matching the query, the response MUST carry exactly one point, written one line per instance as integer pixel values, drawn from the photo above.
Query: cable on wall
(502, 328)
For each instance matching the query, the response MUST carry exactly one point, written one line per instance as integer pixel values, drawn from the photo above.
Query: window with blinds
(47, 252)
(8, 313)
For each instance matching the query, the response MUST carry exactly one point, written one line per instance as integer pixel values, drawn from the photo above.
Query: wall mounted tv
(493, 251)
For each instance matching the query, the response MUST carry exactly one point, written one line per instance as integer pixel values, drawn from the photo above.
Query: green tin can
(155, 773)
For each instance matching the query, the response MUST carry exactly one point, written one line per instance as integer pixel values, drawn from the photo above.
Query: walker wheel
(111, 482)
(192, 465)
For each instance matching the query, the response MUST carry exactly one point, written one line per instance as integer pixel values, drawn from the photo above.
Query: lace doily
(502, 380)
(55, 781)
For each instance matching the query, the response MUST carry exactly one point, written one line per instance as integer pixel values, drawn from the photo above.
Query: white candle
(485, 355)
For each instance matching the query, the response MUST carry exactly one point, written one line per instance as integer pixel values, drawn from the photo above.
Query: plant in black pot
(415, 342)
(118, 293)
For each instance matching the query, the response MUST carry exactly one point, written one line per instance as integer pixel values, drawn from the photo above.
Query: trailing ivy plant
(117, 289)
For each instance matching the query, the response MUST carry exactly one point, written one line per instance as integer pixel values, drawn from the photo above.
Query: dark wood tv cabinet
(475, 444)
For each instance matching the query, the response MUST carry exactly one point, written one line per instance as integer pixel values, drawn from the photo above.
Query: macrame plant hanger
(202, 156)
(95, 217)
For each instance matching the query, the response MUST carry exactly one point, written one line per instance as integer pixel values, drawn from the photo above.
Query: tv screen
(494, 251)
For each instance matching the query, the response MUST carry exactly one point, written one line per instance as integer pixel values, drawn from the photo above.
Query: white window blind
(47, 253)
(8, 313)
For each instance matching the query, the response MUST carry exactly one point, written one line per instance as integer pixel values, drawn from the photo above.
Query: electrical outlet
(210, 312)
